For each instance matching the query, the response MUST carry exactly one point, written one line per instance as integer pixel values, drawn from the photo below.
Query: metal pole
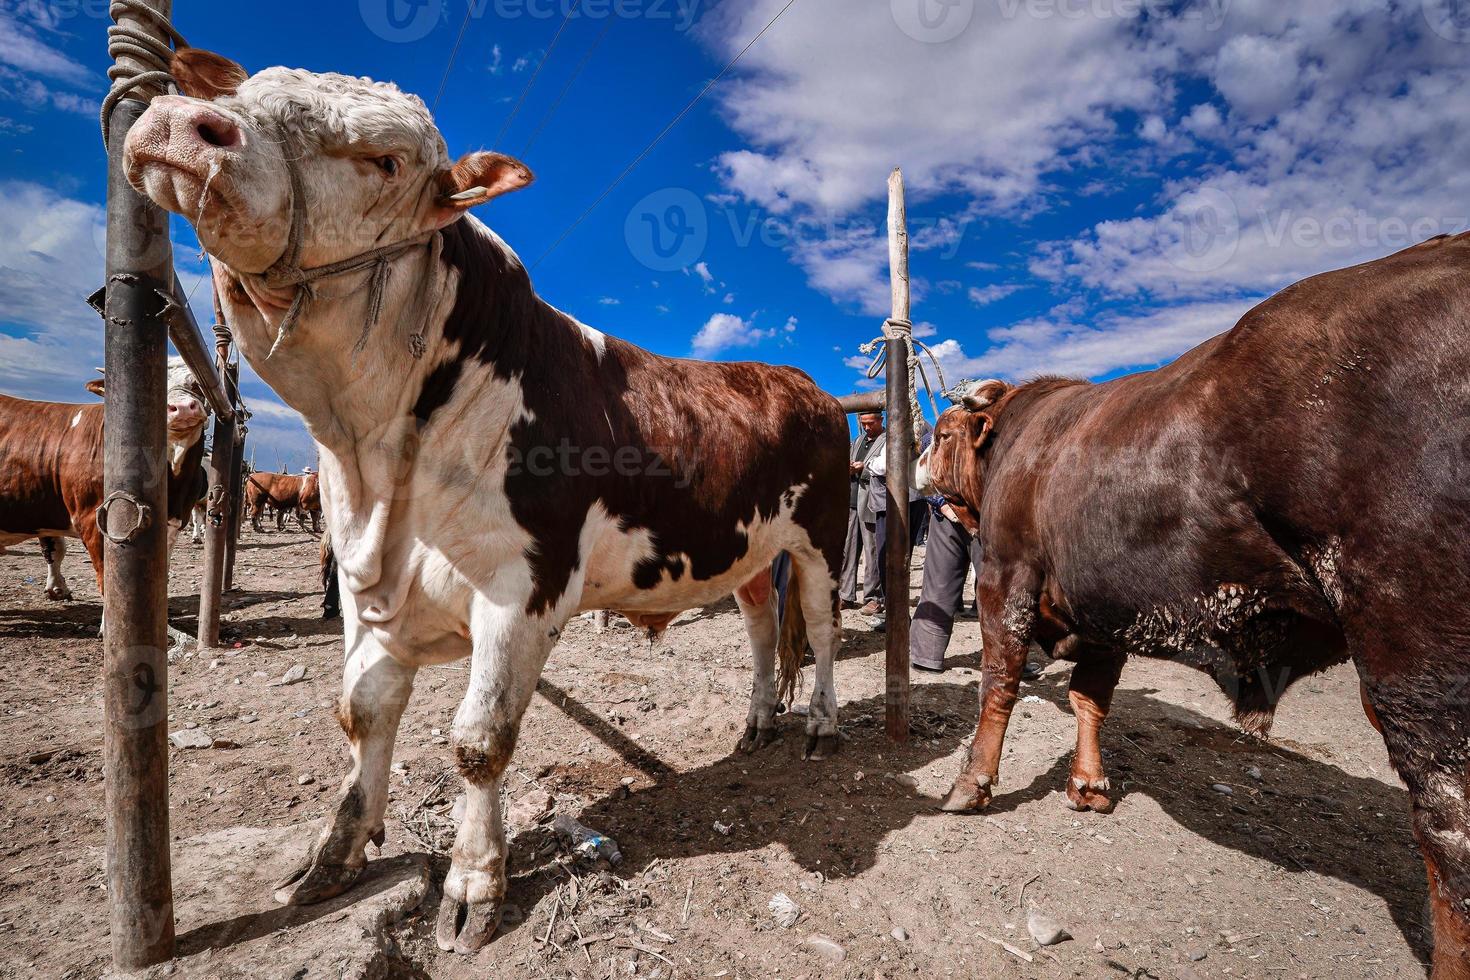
(899, 455)
(860, 403)
(135, 582)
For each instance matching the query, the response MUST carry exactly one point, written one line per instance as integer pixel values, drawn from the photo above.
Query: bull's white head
(371, 168)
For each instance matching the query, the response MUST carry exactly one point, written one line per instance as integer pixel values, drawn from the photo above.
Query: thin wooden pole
(899, 456)
(135, 584)
(216, 536)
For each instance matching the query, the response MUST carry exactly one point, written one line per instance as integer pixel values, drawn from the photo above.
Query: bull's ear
(984, 394)
(205, 75)
(95, 387)
(980, 425)
(477, 178)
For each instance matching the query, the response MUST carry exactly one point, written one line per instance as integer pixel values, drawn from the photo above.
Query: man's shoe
(926, 668)
(872, 608)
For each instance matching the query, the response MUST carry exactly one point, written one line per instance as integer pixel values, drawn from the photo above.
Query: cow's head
(371, 167)
(185, 406)
(954, 464)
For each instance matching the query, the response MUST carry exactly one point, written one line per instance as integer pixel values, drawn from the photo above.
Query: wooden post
(216, 536)
(135, 585)
(237, 491)
(900, 450)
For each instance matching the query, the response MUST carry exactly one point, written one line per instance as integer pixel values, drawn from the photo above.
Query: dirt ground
(1304, 869)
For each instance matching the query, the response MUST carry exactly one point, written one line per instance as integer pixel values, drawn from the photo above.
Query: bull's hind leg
(814, 586)
(54, 549)
(757, 602)
(375, 690)
(1091, 693)
(1007, 620)
(510, 649)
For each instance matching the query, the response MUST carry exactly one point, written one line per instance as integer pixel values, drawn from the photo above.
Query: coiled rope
(127, 40)
(893, 330)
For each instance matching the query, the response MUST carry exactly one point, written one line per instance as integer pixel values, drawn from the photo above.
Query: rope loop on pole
(128, 41)
(896, 329)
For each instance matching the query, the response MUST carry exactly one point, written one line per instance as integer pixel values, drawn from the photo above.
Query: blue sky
(1094, 185)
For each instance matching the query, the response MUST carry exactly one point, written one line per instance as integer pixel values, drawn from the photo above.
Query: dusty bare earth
(1305, 870)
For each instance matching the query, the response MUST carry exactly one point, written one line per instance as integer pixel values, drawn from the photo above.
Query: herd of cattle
(1287, 496)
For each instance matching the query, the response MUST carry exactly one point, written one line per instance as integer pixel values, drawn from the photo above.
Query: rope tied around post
(899, 329)
(127, 41)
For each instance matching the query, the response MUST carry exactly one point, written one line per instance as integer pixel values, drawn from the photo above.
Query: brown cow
(1282, 498)
(51, 471)
(282, 491)
(311, 503)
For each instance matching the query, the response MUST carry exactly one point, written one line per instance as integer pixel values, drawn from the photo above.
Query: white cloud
(22, 48)
(496, 65)
(724, 331)
(1058, 345)
(984, 296)
(610, 301)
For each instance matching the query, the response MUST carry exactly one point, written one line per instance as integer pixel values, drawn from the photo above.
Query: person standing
(881, 501)
(948, 557)
(861, 546)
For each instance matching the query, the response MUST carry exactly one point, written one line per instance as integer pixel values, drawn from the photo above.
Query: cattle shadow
(1304, 816)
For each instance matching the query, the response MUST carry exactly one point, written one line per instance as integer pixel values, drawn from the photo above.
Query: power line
(664, 132)
(468, 9)
(536, 74)
(565, 88)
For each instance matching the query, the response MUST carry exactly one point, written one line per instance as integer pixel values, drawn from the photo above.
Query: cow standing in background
(51, 471)
(311, 502)
(1282, 498)
(282, 491)
(490, 466)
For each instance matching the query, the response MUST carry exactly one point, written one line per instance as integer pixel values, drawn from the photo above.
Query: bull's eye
(389, 165)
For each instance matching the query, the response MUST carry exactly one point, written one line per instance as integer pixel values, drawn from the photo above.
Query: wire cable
(537, 73)
(662, 133)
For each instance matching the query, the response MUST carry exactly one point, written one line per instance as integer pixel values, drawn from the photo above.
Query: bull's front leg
(1007, 619)
(510, 648)
(54, 549)
(375, 690)
(1091, 693)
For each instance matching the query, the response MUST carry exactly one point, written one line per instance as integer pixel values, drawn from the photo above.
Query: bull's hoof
(314, 881)
(466, 928)
(59, 593)
(1083, 794)
(756, 739)
(819, 747)
(967, 795)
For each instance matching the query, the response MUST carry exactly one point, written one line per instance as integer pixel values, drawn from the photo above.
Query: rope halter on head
(287, 272)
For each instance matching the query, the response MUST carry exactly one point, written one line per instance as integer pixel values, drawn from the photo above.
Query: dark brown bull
(1282, 498)
(282, 491)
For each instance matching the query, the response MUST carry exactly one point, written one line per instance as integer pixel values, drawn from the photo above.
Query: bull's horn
(468, 195)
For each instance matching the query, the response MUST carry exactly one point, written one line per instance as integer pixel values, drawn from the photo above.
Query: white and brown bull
(489, 465)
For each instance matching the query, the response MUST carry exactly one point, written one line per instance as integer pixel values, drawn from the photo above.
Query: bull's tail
(791, 647)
